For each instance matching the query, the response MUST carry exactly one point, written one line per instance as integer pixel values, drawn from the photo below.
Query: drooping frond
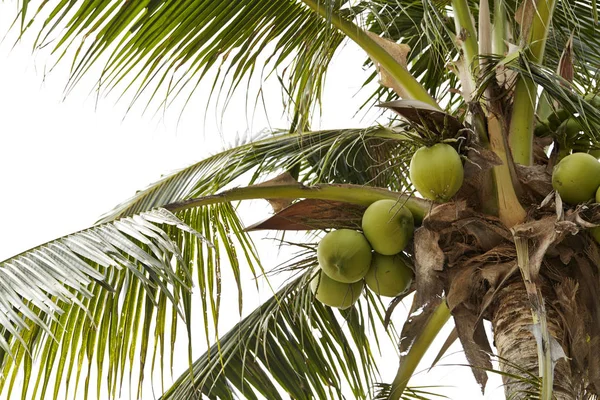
(360, 156)
(291, 342)
(127, 283)
(108, 321)
(166, 47)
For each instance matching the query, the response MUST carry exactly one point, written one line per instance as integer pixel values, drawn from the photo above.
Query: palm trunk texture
(517, 346)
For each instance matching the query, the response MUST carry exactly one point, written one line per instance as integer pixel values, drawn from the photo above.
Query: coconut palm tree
(500, 83)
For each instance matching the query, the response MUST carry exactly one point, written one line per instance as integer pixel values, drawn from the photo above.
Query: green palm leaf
(425, 27)
(168, 46)
(136, 270)
(567, 95)
(69, 279)
(122, 278)
(360, 156)
(292, 342)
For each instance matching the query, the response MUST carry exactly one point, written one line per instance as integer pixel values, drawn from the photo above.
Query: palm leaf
(166, 47)
(87, 324)
(123, 278)
(567, 95)
(360, 156)
(425, 27)
(290, 342)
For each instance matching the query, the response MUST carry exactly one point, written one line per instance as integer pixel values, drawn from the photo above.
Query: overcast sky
(64, 162)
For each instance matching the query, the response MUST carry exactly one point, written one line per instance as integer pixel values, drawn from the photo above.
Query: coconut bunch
(576, 175)
(349, 259)
(566, 128)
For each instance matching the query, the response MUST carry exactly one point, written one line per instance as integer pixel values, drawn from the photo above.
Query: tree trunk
(517, 346)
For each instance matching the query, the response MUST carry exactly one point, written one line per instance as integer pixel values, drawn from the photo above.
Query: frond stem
(510, 210)
(465, 32)
(412, 87)
(355, 194)
(499, 28)
(436, 322)
(538, 313)
(521, 124)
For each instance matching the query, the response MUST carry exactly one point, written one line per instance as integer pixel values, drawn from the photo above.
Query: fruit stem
(355, 194)
(563, 151)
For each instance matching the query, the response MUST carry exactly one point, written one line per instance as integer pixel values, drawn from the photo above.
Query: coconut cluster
(565, 127)
(349, 259)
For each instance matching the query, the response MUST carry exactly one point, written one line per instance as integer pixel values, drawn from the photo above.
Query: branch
(355, 194)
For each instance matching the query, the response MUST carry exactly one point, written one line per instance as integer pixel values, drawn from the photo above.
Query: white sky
(64, 163)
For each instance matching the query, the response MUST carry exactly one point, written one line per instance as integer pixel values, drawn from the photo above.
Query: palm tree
(506, 248)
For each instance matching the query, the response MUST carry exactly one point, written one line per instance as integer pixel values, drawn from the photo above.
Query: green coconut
(595, 232)
(593, 99)
(576, 178)
(557, 118)
(344, 255)
(572, 127)
(335, 294)
(388, 226)
(388, 275)
(437, 172)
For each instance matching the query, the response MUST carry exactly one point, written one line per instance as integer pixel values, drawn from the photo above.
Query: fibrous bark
(517, 349)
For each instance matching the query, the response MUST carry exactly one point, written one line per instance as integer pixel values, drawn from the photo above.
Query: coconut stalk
(534, 33)
(377, 53)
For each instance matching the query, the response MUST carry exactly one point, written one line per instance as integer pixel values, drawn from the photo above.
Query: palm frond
(360, 156)
(566, 94)
(416, 392)
(133, 272)
(166, 47)
(121, 280)
(575, 17)
(427, 28)
(291, 343)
